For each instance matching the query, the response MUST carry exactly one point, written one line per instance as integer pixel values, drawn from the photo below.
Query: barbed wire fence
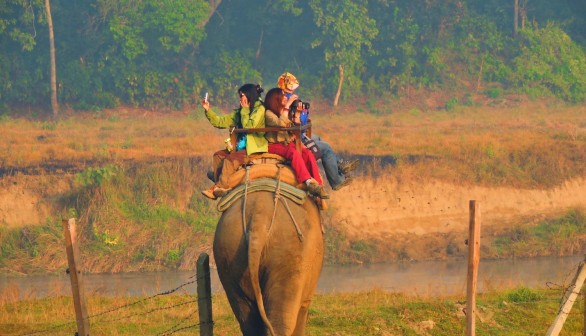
(201, 304)
(571, 294)
(181, 325)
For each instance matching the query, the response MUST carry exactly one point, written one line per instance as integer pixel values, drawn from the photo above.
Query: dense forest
(165, 53)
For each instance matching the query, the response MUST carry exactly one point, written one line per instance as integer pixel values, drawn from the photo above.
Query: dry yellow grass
(435, 143)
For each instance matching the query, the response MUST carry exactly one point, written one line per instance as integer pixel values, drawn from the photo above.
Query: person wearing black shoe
(336, 169)
(250, 114)
(282, 143)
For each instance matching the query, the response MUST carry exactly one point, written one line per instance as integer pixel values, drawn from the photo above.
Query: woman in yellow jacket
(250, 114)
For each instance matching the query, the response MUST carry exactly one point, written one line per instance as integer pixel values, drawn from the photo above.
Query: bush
(523, 294)
(451, 104)
(95, 176)
(548, 59)
(494, 92)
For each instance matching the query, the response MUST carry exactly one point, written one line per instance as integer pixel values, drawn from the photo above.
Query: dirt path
(384, 207)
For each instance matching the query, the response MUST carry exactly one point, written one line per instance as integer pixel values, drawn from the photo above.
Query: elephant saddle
(266, 165)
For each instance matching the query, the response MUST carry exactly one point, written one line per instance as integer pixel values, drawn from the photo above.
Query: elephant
(270, 270)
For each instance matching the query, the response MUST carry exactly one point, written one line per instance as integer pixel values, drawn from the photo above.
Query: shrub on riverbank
(563, 235)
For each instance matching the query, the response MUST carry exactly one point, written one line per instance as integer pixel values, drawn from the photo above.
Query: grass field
(517, 312)
(133, 177)
(130, 172)
(525, 145)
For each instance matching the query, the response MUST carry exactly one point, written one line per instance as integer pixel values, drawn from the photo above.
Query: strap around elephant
(263, 184)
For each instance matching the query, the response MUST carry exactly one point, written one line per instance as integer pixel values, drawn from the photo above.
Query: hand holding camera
(298, 111)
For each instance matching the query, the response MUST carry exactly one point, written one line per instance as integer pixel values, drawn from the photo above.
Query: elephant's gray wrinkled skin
(269, 279)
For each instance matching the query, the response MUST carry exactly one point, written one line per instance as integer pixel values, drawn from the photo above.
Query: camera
(298, 106)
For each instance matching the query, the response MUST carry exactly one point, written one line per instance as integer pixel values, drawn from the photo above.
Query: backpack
(312, 146)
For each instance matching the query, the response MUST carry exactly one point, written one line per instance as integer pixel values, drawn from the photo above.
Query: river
(433, 278)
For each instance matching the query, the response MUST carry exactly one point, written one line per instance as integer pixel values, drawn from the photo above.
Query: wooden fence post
(584, 312)
(569, 298)
(204, 295)
(76, 277)
(473, 261)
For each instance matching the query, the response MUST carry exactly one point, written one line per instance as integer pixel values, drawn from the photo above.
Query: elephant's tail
(256, 243)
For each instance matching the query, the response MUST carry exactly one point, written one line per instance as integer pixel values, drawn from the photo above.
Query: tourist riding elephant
(270, 272)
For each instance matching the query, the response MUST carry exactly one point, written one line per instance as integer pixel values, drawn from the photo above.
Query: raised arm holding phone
(250, 114)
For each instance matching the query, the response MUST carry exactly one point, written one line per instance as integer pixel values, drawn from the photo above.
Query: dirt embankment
(368, 208)
(30, 199)
(386, 207)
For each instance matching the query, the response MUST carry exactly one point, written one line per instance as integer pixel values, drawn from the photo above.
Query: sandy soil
(22, 202)
(367, 208)
(386, 207)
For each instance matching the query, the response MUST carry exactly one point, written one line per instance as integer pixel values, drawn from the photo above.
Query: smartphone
(205, 98)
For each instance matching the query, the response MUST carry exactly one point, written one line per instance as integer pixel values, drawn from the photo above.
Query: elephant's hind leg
(282, 296)
(302, 319)
(248, 316)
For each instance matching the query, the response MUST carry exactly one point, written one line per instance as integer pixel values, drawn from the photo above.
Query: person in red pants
(283, 143)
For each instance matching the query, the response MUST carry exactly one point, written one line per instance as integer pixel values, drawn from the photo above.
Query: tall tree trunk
(516, 18)
(259, 44)
(523, 11)
(54, 103)
(339, 92)
(479, 78)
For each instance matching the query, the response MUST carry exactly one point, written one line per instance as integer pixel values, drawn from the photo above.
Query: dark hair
(252, 93)
(274, 100)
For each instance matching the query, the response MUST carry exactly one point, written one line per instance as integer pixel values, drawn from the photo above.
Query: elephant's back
(257, 210)
(258, 214)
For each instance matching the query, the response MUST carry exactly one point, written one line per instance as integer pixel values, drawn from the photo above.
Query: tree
(54, 103)
(346, 29)
(515, 17)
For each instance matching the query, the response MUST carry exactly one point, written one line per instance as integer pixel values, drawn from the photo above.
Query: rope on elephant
(263, 184)
(277, 196)
(299, 233)
(246, 181)
(285, 204)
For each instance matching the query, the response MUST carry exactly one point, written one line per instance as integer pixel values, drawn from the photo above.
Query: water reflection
(422, 278)
(449, 277)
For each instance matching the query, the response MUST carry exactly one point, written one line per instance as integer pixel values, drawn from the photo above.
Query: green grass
(19, 247)
(563, 235)
(520, 311)
(140, 217)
